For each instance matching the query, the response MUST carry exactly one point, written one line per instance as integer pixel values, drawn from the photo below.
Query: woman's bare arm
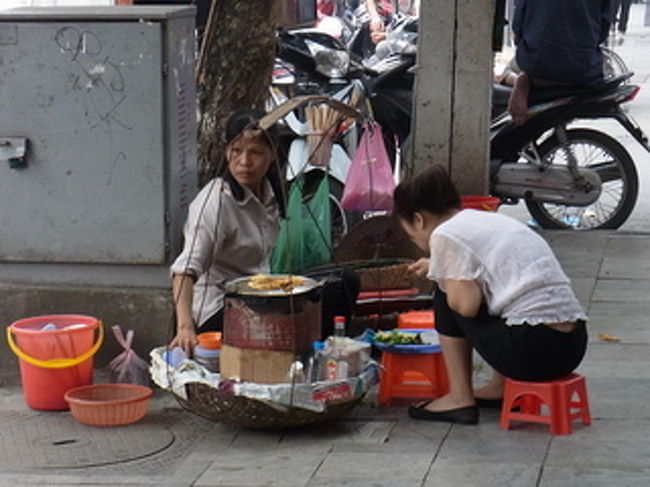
(463, 297)
(182, 289)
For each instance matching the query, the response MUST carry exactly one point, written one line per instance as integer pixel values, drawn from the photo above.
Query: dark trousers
(622, 10)
(520, 352)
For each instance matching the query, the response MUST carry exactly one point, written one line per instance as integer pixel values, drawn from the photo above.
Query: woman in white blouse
(500, 290)
(231, 228)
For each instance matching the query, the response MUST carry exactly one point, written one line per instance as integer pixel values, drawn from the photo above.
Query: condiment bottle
(336, 366)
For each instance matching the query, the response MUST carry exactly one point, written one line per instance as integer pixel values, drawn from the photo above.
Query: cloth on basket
(310, 396)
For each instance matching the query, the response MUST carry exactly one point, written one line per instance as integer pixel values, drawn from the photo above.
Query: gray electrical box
(97, 134)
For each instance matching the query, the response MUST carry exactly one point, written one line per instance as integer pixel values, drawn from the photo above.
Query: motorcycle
(569, 177)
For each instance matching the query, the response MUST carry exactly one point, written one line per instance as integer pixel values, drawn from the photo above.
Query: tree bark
(233, 72)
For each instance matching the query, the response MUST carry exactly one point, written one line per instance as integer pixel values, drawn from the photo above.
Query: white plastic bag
(127, 367)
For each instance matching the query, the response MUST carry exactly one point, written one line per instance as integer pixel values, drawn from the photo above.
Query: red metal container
(273, 319)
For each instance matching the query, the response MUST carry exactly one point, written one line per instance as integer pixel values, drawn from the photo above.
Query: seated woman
(231, 228)
(500, 290)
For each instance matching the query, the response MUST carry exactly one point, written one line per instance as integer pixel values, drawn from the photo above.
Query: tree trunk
(234, 71)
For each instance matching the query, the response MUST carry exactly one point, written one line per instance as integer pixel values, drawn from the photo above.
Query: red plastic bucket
(55, 359)
(477, 202)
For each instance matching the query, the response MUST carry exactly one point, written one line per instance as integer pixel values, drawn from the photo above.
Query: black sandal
(464, 415)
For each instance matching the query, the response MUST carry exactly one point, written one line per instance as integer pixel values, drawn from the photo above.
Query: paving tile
(454, 472)
(55, 479)
(429, 431)
(579, 256)
(614, 368)
(355, 433)
(356, 482)
(619, 398)
(626, 258)
(583, 287)
(600, 350)
(626, 320)
(289, 468)
(486, 442)
(256, 440)
(630, 429)
(374, 467)
(624, 454)
(622, 291)
(581, 476)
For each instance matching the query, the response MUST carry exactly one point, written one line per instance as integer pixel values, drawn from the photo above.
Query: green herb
(395, 337)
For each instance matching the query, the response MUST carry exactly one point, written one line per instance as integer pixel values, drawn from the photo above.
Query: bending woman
(500, 290)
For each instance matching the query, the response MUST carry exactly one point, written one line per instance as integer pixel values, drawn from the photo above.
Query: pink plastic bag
(127, 367)
(369, 185)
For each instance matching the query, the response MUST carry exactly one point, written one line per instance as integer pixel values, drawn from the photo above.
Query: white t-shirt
(519, 275)
(225, 238)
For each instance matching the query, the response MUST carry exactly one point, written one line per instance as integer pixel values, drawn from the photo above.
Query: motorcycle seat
(545, 94)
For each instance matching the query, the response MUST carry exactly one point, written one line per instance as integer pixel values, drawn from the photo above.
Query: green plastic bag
(305, 238)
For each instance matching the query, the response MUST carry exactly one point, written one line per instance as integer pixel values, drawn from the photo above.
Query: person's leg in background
(623, 16)
(611, 39)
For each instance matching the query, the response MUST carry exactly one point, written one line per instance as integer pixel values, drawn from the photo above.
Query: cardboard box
(261, 366)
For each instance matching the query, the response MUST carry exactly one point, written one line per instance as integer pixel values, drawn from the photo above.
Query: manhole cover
(58, 441)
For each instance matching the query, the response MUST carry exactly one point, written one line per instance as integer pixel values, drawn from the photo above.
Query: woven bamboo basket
(391, 276)
(211, 403)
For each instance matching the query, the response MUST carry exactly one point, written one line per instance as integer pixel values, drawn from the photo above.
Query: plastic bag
(369, 185)
(305, 238)
(127, 367)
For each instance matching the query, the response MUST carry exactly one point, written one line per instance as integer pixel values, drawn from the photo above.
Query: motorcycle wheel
(620, 183)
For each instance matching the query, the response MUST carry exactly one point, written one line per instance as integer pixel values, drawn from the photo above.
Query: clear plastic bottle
(296, 374)
(315, 363)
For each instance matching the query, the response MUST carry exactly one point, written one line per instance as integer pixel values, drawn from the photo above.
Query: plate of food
(408, 340)
(270, 285)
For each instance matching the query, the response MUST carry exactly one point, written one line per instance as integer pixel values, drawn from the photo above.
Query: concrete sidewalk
(383, 447)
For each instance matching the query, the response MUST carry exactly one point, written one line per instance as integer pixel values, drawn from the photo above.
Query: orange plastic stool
(413, 375)
(416, 319)
(558, 397)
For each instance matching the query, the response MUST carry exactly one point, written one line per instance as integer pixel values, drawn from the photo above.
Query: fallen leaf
(608, 338)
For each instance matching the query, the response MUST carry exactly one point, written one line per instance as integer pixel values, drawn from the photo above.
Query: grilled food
(265, 282)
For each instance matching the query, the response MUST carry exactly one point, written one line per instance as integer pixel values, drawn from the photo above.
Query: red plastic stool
(416, 319)
(558, 397)
(413, 375)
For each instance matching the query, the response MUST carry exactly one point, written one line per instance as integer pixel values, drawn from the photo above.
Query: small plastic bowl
(109, 404)
(210, 339)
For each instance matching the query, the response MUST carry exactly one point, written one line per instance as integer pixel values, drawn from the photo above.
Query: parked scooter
(569, 177)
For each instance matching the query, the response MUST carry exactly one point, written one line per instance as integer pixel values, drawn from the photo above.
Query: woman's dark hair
(247, 118)
(239, 121)
(431, 190)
